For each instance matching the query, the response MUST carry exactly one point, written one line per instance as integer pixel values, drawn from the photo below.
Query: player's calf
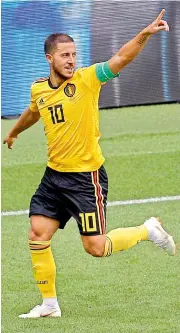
(94, 245)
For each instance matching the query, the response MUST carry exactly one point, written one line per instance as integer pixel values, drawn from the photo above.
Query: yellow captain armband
(104, 73)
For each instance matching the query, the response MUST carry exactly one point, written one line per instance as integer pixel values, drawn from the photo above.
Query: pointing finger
(159, 17)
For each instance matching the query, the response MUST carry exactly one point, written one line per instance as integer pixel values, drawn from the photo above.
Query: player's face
(63, 60)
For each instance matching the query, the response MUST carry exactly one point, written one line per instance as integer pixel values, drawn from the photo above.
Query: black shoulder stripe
(41, 79)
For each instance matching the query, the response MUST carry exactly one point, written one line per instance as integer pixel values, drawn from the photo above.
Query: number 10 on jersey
(57, 114)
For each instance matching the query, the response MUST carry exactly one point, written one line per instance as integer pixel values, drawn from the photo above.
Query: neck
(56, 79)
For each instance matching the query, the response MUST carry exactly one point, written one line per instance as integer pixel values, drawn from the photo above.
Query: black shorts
(82, 195)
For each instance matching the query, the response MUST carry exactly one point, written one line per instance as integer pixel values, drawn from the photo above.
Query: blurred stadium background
(99, 28)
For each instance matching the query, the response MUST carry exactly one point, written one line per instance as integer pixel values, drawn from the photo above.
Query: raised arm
(131, 49)
(26, 120)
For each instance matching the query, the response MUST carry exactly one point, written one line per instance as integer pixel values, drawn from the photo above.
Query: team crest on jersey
(70, 89)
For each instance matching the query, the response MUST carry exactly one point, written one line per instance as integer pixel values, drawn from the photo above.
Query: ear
(49, 58)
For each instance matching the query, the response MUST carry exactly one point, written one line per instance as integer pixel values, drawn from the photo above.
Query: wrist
(13, 134)
(146, 32)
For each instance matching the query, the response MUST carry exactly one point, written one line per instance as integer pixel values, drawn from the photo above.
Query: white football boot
(42, 311)
(159, 236)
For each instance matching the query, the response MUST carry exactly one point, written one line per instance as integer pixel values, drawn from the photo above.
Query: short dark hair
(52, 40)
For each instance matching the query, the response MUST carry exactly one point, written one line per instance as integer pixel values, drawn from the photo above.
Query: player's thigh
(42, 227)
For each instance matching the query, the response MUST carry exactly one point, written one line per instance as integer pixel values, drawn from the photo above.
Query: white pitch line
(110, 204)
(142, 201)
(14, 213)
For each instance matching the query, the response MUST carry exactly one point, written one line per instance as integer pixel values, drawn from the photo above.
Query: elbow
(33, 116)
(37, 116)
(124, 60)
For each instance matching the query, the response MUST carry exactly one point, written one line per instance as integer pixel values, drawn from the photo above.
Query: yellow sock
(44, 267)
(123, 238)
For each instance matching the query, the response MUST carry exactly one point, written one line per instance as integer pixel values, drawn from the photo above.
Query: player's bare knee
(42, 228)
(39, 238)
(37, 235)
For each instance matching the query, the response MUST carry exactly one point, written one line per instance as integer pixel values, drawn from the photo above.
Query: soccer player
(75, 182)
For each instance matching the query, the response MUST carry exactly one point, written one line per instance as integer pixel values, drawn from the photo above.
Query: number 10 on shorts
(88, 221)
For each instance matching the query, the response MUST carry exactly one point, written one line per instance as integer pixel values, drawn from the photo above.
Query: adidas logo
(41, 101)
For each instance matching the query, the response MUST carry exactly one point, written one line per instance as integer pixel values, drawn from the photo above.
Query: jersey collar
(50, 84)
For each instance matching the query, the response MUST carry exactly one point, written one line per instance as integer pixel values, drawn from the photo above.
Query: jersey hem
(88, 169)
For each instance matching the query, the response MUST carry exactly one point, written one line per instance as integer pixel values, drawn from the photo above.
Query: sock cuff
(144, 232)
(108, 247)
(39, 245)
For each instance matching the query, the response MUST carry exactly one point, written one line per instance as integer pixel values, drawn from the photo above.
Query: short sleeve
(90, 78)
(33, 106)
(96, 75)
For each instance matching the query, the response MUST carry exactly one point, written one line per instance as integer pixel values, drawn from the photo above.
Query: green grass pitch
(136, 291)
